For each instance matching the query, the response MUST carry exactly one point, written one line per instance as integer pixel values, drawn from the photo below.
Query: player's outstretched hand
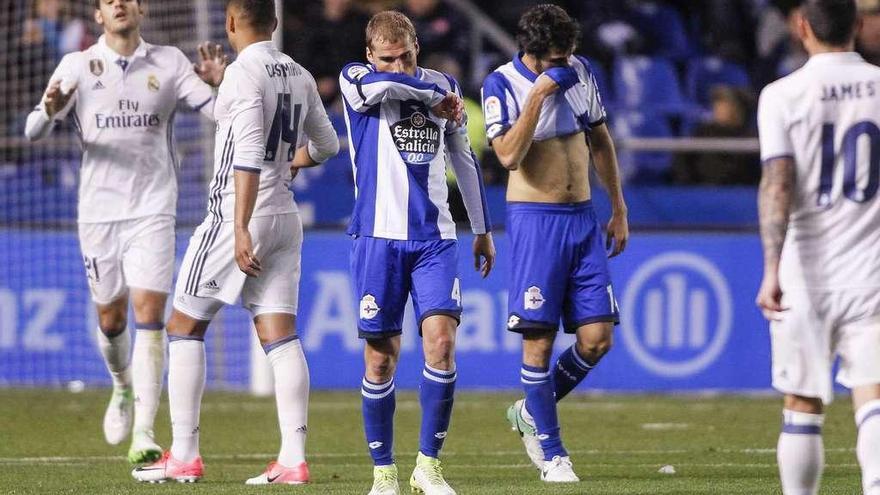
(618, 234)
(244, 253)
(451, 108)
(770, 298)
(212, 63)
(484, 253)
(55, 100)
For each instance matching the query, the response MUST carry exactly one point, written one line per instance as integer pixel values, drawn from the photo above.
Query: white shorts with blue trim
(209, 276)
(818, 328)
(137, 253)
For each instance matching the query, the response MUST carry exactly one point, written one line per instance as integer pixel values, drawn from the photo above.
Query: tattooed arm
(775, 196)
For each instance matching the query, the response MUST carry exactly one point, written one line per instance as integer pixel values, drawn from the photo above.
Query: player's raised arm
(196, 83)
(57, 101)
(512, 144)
(362, 87)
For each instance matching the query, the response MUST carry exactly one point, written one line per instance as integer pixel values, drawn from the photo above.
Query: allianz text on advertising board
(686, 305)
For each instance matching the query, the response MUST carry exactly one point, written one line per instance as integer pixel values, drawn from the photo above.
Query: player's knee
(797, 403)
(380, 366)
(148, 310)
(112, 321)
(592, 351)
(439, 347)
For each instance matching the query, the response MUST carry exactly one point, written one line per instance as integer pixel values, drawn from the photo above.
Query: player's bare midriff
(554, 171)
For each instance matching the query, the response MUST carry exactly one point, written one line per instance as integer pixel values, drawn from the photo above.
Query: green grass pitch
(51, 442)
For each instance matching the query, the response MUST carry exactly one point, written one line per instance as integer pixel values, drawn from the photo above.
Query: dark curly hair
(545, 28)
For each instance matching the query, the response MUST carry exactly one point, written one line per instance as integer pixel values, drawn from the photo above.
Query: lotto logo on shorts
(533, 298)
(369, 308)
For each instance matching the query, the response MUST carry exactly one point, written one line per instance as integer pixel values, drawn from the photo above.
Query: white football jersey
(266, 106)
(123, 110)
(826, 116)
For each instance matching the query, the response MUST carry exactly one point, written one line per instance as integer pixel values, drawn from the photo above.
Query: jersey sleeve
(39, 125)
(467, 171)
(191, 90)
(362, 87)
(499, 105)
(246, 119)
(323, 142)
(772, 129)
(585, 99)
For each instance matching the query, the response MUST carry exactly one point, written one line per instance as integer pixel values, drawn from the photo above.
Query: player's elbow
(508, 160)
(322, 151)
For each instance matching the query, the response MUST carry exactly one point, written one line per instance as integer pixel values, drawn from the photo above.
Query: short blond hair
(390, 25)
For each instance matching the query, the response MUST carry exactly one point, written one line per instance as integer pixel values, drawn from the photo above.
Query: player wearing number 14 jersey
(268, 114)
(820, 228)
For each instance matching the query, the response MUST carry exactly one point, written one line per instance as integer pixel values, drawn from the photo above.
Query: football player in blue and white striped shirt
(546, 123)
(405, 124)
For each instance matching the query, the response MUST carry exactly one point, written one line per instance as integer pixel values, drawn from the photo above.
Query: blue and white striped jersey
(576, 109)
(399, 153)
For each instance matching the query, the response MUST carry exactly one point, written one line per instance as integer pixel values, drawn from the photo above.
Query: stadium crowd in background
(702, 44)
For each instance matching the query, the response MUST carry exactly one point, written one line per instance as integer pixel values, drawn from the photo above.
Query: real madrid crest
(152, 83)
(96, 66)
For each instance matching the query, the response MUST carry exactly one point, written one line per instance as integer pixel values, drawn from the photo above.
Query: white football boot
(385, 480)
(144, 448)
(119, 416)
(427, 477)
(527, 431)
(558, 470)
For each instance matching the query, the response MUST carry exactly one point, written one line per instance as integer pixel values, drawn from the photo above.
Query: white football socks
(868, 445)
(292, 397)
(186, 384)
(800, 453)
(116, 351)
(148, 370)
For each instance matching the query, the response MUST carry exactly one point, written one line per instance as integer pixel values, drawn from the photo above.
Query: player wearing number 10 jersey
(249, 244)
(820, 228)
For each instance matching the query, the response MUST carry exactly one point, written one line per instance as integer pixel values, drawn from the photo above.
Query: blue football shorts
(559, 268)
(385, 272)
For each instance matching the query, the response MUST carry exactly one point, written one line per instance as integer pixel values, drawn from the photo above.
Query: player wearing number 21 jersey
(820, 228)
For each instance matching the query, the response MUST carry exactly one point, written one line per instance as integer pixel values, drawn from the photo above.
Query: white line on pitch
(332, 455)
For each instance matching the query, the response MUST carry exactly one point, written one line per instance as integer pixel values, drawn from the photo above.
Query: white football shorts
(209, 276)
(137, 253)
(819, 327)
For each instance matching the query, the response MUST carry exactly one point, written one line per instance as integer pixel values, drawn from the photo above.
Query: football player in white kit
(249, 244)
(122, 93)
(820, 229)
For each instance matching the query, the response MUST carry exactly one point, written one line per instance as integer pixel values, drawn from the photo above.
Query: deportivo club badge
(153, 83)
(96, 66)
(416, 136)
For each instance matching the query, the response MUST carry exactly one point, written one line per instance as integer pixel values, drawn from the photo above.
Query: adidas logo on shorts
(210, 285)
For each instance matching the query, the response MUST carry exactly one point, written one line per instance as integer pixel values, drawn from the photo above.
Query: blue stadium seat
(642, 167)
(649, 84)
(707, 72)
(664, 27)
